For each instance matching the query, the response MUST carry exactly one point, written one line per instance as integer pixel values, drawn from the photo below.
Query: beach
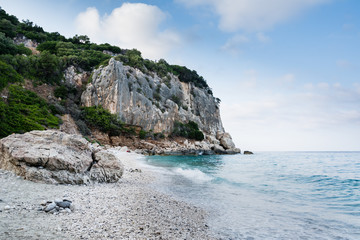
(128, 209)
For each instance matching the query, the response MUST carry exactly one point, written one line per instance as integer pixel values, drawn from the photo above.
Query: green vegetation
(102, 119)
(8, 75)
(189, 130)
(24, 111)
(142, 134)
(176, 100)
(134, 59)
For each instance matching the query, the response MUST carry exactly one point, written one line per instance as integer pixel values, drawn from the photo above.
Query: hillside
(108, 94)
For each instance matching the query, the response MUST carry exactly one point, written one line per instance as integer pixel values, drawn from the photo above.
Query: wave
(193, 174)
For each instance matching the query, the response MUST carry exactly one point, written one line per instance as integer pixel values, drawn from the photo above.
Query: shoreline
(128, 209)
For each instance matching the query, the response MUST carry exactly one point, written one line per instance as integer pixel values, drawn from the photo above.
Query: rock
(50, 207)
(74, 77)
(68, 125)
(248, 152)
(114, 86)
(64, 204)
(64, 158)
(68, 210)
(7, 207)
(108, 167)
(226, 141)
(43, 203)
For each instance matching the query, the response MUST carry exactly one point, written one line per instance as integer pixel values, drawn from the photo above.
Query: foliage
(98, 117)
(189, 130)
(142, 134)
(176, 100)
(133, 58)
(61, 92)
(23, 112)
(8, 75)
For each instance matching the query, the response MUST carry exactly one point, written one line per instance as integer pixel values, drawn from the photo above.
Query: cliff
(155, 103)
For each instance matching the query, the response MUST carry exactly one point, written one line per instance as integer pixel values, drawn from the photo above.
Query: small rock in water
(50, 207)
(7, 207)
(57, 201)
(43, 203)
(68, 210)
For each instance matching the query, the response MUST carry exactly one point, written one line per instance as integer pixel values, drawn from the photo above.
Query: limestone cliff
(155, 103)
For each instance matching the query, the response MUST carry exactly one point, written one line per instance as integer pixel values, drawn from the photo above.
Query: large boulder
(226, 141)
(107, 167)
(57, 157)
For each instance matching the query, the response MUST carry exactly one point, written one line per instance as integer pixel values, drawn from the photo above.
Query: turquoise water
(269, 195)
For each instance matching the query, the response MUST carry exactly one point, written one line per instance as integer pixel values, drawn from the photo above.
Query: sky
(287, 72)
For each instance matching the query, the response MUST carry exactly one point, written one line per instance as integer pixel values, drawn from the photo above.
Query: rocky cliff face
(154, 103)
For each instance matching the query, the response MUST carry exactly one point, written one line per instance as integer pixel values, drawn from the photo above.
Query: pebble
(7, 207)
(50, 207)
(64, 204)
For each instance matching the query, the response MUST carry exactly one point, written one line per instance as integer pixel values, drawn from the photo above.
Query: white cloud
(344, 64)
(287, 78)
(262, 37)
(233, 44)
(253, 15)
(133, 25)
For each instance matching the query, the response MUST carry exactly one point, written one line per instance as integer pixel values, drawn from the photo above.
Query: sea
(268, 195)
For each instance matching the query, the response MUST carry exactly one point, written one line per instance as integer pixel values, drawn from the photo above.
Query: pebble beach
(128, 209)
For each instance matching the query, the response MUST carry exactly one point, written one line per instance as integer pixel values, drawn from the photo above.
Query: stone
(74, 77)
(108, 167)
(248, 152)
(64, 204)
(113, 87)
(7, 207)
(68, 210)
(50, 207)
(64, 158)
(226, 141)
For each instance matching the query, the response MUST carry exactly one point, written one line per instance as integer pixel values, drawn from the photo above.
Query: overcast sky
(287, 71)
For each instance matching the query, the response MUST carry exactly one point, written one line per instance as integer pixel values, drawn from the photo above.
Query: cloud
(253, 15)
(233, 44)
(344, 64)
(287, 78)
(133, 25)
(262, 37)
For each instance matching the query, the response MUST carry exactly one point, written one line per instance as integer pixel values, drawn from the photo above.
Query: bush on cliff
(24, 111)
(102, 119)
(188, 130)
(8, 75)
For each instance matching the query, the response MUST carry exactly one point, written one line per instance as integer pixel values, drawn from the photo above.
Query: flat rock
(57, 157)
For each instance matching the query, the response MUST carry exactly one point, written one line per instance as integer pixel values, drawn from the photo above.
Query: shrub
(157, 96)
(189, 130)
(102, 119)
(176, 100)
(24, 112)
(142, 134)
(8, 75)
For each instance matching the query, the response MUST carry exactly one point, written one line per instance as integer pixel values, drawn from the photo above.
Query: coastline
(128, 209)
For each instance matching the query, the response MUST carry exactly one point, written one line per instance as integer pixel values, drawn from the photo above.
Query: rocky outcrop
(155, 103)
(57, 157)
(75, 77)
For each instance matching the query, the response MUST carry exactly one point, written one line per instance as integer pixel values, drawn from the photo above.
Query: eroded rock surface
(154, 103)
(57, 157)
